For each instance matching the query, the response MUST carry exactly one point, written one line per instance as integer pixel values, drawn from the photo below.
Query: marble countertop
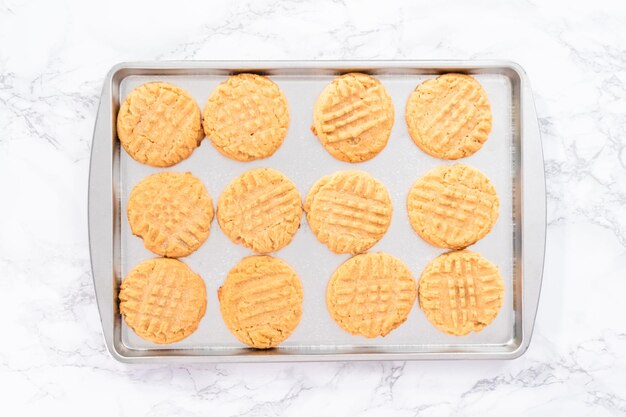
(53, 58)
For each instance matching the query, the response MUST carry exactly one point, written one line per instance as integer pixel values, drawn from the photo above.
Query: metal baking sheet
(511, 158)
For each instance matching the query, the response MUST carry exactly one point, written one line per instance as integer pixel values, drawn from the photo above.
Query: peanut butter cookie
(353, 117)
(261, 210)
(172, 212)
(246, 117)
(348, 211)
(159, 124)
(371, 294)
(461, 292)
(449, 117)
(261, 301)
(453, 206)
(162, 300)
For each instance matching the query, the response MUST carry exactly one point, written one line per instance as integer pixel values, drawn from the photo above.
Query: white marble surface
(53, 57)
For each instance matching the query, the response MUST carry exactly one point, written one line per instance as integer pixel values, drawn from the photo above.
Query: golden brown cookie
(246, 117)
(260, 209)
(449, 117)
(353, 117)
(159, 124)
(453, 206)
(261, 301)
(461, 292)
(172, 212)
(349, 211)
(371, 294)
(162, 300)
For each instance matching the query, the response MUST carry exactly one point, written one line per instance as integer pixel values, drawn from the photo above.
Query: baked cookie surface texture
(260, 209)
(348, 211)
(246, 117)
(353, 117)
(172, 212)
(453, 206)
(159, 124)
(461, 292)
(449, 117)
(261, 301)
(371, 294)
(162, 300)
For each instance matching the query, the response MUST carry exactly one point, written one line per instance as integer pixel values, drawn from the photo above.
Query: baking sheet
(304, 160)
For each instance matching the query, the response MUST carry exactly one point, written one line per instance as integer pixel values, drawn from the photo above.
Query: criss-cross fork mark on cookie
(449, 117)
(162, 300)
(461, 292)
(261, 301)
(453, 206)
(159, 124)
(246, 117)
(260, 209)
(172, 212)
(353, 117)
(349, 211)
(371, 294)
